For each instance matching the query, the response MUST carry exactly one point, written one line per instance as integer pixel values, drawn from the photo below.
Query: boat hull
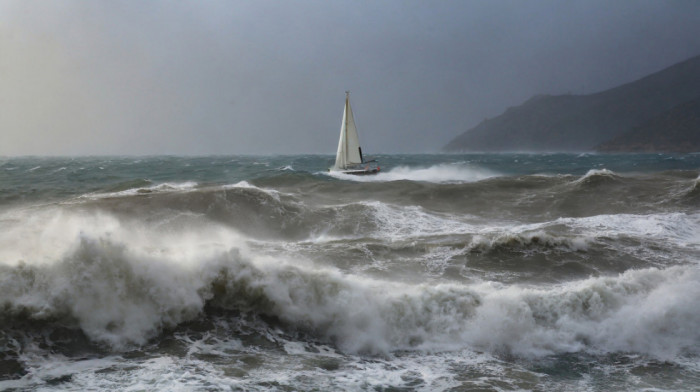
(357, 172)
(361, 172)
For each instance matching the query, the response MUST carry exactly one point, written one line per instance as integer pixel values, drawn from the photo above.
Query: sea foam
(443, 173)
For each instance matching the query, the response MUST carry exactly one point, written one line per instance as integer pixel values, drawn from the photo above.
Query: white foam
(677, 232)
(163, 373)
(405, 222)
(42, 367)
(364, 315)
(680, 229)
(246, 185)
(209, 345)
(443, 173)
(241, 184)
(396, 223)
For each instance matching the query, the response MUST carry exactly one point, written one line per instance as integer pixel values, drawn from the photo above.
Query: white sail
(349, 144)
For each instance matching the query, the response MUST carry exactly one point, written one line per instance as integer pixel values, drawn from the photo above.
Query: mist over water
(468, 272)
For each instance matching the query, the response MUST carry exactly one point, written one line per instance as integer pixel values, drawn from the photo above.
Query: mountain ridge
(583, 122)
(676, 130)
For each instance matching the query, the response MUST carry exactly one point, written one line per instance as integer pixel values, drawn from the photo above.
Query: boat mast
(347, 102)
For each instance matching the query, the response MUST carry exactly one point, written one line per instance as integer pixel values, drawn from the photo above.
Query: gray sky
(259, 77)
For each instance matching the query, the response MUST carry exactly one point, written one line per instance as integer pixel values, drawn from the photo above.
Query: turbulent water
(443, 272)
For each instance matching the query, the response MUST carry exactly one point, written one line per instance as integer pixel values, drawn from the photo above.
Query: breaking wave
(478, 271)
(598, 177)
(122, 284)
(692, 193)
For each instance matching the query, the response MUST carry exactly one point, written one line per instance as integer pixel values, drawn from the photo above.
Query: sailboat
(349, 159)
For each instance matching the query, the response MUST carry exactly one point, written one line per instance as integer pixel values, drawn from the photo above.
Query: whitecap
(443, 173)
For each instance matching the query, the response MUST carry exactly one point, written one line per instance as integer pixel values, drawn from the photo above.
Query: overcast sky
(263, 77)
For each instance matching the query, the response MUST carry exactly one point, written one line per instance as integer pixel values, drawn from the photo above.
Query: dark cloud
(269, 77)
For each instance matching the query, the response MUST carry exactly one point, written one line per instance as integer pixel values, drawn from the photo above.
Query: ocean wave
(443, 173)
(248, 185)
(140, 187)
(633, 312)
(623, 232)
(597, 177)
(119, 283)
(128, 302)
(674, 229)
(256, 211)
(361, 315)
(690, 193)
(407, 222)
(269, 214)
(527, 241)
(122, 285)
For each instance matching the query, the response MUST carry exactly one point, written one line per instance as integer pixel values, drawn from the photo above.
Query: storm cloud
(264, 77)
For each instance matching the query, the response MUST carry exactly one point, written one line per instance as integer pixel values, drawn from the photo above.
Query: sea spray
(123, 289)
(121, 286)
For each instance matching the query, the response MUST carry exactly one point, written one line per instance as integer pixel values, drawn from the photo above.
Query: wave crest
(526, 241)
(598, 177)
(122, 292)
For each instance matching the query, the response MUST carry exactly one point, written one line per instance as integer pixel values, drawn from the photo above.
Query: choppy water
(444, 272)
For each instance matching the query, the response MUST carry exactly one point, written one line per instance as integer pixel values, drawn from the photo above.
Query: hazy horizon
(260, 78)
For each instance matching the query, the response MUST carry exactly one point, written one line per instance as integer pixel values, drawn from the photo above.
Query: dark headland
(658, 113)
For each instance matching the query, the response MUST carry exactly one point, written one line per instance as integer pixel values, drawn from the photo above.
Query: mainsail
(349, 152)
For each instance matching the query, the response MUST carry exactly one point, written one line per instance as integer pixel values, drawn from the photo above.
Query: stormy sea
(477, 272)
